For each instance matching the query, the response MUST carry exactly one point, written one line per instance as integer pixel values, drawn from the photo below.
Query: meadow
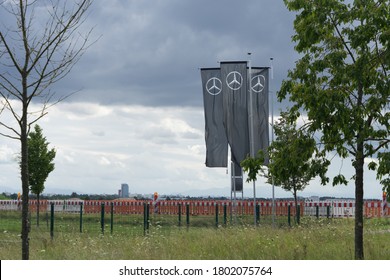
(312, 239)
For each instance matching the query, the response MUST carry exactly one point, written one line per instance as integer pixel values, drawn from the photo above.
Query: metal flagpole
(231, 189)
(233, 209)
(272, 139)
(252, 147)
(234, 189)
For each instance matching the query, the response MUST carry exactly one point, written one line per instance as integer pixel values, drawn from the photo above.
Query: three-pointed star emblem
(234, 80)
(214, 86)
(257, 83)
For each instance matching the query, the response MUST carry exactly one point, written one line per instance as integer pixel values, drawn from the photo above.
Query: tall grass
(313, 239)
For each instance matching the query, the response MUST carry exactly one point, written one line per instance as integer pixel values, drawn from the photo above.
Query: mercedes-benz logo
(214, 86)
(257, 83)
(234, 80)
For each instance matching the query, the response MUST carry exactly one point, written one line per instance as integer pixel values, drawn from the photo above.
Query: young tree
(342, 82)
(40, 41)
(294, 159)
(40, 162)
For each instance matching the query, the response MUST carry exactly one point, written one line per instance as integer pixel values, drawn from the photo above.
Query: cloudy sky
(137, 117)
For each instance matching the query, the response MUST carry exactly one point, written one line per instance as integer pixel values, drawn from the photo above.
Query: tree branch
(10, 84)
(10, 128)
(9, 52)
(335, 25)
(9, 136)
(59, 37)
(380, 146)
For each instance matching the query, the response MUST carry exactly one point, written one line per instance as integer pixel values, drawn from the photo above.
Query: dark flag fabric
(215, 135)
(260, 90)
(234, 89)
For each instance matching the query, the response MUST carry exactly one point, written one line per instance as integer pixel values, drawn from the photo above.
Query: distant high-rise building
(124, 192)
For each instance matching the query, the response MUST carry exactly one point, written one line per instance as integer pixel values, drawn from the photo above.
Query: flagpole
(272, 140)
(234, 189)
(252, 147)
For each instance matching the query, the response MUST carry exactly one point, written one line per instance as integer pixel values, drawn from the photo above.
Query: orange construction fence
(201, 207)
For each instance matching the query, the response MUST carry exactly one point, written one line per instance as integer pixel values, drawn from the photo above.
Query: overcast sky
(138, 116)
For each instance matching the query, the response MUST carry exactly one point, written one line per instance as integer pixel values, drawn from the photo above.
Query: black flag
(259, 90)
(215, 135)
(235, 94)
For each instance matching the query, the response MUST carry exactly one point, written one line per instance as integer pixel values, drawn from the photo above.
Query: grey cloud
(150, 54)
(99, 133)
(191, 135)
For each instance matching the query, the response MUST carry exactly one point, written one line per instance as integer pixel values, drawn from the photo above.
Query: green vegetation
(40, 162)
(31, 63)
(294, 159)
(312, 239)
(341, 83)
(3, 196)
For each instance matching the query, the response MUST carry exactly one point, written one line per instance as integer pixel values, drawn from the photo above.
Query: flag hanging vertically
(235, 93)
(215, 135)
(259, 90)
(228, 94)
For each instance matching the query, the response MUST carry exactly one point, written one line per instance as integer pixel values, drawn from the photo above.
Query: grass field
(312, 239)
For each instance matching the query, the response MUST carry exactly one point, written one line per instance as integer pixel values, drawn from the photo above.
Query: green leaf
(40, 160)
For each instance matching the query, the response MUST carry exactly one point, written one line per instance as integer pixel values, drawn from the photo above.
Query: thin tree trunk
(25, 190)
(38, 210)
(24, 172)
(359, 168)
(296, 205)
